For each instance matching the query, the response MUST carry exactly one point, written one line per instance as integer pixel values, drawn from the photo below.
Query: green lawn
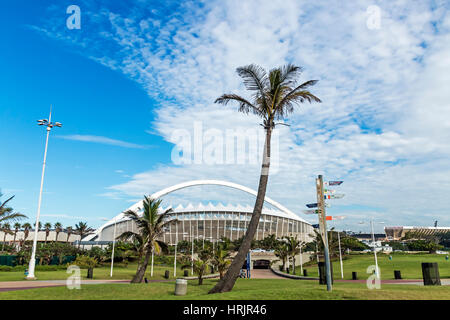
(100, 273)
(252, 289)
(408, 264)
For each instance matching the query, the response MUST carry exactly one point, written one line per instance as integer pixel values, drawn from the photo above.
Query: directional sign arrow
(328, 218)
(332, 183)
(329, 191)
(334, 196)
(312, 205)
(312, 211)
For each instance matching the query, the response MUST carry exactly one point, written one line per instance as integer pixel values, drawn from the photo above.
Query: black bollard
(166, 274)
(430, 273)
(354, 275)
(305, 272)
(397, 275)
(146, 280)
(90, 273)
(186, 273)
(323, 274)
(287, 269)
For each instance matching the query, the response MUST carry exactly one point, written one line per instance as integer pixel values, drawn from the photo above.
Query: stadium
(212, 222)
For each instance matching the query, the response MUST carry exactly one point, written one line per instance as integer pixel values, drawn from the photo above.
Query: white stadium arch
(137, 206)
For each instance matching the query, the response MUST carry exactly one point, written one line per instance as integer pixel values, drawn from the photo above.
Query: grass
(100, 273)
(245, 289)
(408, 264)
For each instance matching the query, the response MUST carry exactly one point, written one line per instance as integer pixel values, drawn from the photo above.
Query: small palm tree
(282, 252)
(6, 228)
(200, 267)
(47, 227)
(221, 260)
(150, 226)
(58, 229)
(82, 230)
(293, 248)
(274, 96)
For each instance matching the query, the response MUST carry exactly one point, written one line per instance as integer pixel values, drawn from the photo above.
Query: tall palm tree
(58, 229)
(150, 226)
(6, 228)
(17, 227)
(274, 96)
(47, 227)
(7, 214)
(69, 231)
(82, 230)
(26, 231)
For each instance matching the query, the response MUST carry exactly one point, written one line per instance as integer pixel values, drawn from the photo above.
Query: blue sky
(138, 71)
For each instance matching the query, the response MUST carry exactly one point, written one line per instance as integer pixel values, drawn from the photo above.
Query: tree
(200, 265)
(221, 260)
(82, 229)
(17, 227)
(47, 227)
(274, 97)
(6, 228)
(58, 229)
(282, 252)
(150, 227)
(69, 231)
(269, 243)
(26, 230)
(293, 248)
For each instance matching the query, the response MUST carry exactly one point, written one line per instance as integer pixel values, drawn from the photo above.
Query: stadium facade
(397, 233)
(212, 222)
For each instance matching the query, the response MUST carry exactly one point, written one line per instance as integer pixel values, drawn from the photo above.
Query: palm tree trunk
(227, 283)
(293, 264)
(4, 240)
(141, 270)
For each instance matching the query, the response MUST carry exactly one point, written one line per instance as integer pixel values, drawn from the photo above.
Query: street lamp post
(49, 125)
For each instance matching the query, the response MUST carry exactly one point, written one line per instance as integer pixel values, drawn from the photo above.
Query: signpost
(323, 228)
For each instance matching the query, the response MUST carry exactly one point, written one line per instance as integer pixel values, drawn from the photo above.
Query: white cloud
(102, 140)
(382, 127)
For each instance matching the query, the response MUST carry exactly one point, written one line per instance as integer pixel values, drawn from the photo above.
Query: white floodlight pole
(340, 256)
(176, 243)
(114, 244)
(32, 264)
(192, 255)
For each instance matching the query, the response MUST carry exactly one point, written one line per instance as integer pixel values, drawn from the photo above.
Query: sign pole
(323, 228)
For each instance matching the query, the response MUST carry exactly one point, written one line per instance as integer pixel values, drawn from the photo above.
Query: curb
(291, 276)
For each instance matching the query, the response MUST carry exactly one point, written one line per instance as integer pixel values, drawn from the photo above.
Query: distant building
(397, 233)
(20, 236)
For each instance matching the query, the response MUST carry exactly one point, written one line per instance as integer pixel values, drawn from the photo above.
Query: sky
(136, 83)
